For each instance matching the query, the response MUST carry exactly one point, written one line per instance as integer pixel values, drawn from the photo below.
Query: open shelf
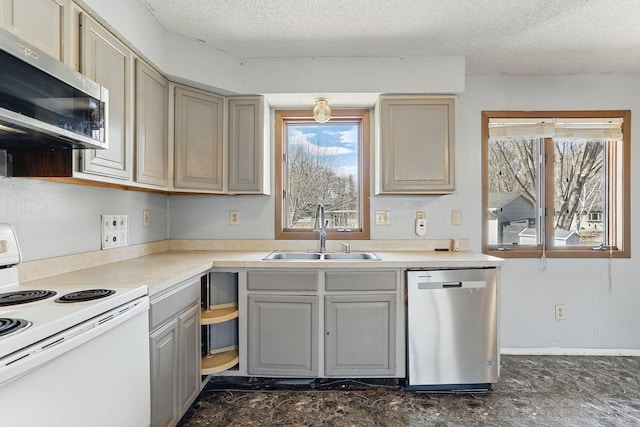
(219, 362)
(218, 314)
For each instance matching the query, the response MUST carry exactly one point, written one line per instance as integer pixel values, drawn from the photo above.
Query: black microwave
(46, 104)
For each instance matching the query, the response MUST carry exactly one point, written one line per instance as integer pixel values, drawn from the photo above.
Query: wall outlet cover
(115, 231)
(382, 217)
(234, 217)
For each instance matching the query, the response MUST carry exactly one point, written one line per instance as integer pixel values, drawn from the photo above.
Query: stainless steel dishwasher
(452, 329)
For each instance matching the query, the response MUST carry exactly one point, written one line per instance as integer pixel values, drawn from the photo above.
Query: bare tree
(513, 166)
(578, 177)
(578, 180)
(312, 179)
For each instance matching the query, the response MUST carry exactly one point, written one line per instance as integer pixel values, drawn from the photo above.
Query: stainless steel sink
(355, 256)
(317, 256)
(293, 256)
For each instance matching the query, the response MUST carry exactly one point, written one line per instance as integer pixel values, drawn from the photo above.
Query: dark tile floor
(532, 391)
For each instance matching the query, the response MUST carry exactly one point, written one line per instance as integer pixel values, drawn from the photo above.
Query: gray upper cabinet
(39, 22)
(217, 156)
(248, 171)
(199, 124)
(109, 62)
(151, 126)
(416, 145)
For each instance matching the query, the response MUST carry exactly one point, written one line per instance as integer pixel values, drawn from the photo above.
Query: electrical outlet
(115, 231)
(560, 312)
(146, 217)
(234, 217)
(382, 217)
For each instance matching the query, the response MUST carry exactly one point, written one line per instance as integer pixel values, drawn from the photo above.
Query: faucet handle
(347, 247)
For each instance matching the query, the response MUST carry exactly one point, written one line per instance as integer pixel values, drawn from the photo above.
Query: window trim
(282, 233)
(622, 206)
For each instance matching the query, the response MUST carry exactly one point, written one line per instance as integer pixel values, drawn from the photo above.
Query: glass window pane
(323, 167)
(579, 193)
(513, 192)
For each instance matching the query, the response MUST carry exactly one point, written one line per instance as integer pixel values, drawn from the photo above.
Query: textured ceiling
(495, 36)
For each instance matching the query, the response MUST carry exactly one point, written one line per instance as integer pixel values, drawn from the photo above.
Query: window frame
(282, 117)
(619, 223)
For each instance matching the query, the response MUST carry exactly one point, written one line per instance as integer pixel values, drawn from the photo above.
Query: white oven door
(95, 374)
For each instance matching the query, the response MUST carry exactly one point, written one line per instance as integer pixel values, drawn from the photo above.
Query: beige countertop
(160, 271)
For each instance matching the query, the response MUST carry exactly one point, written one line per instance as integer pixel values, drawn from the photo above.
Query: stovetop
(48, 317)
(56, 308)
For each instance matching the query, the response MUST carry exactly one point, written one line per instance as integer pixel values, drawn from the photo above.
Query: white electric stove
(90, 344)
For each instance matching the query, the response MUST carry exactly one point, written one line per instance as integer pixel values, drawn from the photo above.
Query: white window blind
(586, 129)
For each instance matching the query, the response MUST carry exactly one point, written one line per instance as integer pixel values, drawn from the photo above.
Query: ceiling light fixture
(321, 112)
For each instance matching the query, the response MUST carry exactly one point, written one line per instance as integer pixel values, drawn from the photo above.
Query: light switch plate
(115, 231)
(456, 217)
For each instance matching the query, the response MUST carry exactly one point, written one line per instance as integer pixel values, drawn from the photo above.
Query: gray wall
(600, 296)
(53, 219)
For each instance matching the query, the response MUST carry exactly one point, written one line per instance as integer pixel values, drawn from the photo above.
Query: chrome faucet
(321, 225)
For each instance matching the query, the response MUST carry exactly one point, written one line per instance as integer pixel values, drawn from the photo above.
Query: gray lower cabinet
(283, 335)
(164, 374)
(316, 323)
(174, 346)
(360, 335)
(189, 357)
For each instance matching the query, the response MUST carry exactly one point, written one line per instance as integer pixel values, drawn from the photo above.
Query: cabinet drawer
(361, 281)
(173, 302)
(282, 281)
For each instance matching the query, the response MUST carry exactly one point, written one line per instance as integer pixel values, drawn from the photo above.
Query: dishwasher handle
(452, 285)
(468, 284)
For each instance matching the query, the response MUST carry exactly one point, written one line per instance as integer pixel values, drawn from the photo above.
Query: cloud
(348, 170)
(349, 137)
(297, 137)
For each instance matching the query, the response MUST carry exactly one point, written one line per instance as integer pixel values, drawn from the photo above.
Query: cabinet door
(247, 149)
(198, 140)
(39, 22)
(189, 373)
(151, 126)
(360, 335)
(417, 139)
(164, 375)
(283, 335)
(107, 61)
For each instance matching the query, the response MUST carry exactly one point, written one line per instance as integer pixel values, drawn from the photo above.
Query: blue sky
(339, 140)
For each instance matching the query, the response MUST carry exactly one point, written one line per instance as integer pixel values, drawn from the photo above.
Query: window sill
(557, 253)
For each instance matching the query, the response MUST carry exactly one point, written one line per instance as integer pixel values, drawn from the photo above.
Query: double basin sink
(322, 256)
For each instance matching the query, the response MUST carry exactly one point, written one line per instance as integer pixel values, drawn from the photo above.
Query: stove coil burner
(23, 297)
(85, 295)
(9, 325)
